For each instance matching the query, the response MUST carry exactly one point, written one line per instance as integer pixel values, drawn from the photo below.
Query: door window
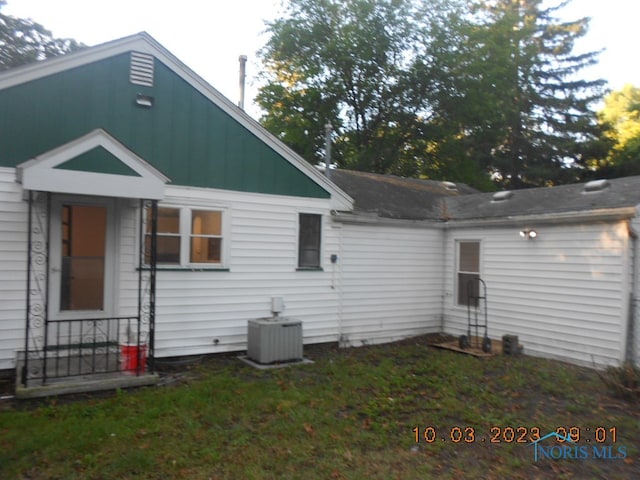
(83, 245)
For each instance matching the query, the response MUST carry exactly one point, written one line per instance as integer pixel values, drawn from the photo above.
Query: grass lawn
(353, 414)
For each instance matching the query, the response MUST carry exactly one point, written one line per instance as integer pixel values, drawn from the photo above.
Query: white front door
(81, 259)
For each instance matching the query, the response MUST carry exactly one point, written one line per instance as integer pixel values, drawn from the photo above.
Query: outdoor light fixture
(145, 101)
(528, 233)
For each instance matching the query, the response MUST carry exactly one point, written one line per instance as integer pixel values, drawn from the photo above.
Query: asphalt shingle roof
(389, 196)
(619, 192)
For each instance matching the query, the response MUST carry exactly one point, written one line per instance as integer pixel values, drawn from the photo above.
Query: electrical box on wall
(277, 305)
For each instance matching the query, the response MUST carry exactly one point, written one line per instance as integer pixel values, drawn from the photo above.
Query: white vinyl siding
(391, 283)
(196, 308)
(564, 293)
(13, 267)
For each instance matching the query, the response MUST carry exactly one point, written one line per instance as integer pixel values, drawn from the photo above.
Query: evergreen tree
(522, 109)
(488, 93)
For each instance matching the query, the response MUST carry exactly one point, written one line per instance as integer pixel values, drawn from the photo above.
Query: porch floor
(79, 374)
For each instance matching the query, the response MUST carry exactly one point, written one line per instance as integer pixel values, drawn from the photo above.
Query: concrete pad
(86, 384)
(260, 366)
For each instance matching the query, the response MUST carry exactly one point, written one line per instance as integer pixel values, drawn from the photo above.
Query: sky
(210, 35)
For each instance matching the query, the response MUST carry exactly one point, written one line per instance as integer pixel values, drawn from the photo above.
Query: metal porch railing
(76, 348)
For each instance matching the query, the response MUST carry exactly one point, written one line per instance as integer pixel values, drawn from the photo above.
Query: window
(206, 237)
(468, 271)
(309, 240)
(186, 236)
(168, 240)
(84, 240)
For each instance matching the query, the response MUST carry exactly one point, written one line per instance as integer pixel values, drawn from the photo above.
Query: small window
(468, 272)
(310, 234)
(186, 236)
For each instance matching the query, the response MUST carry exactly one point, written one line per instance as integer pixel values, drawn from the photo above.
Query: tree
(358, 64)
(521, 109)
(620, 119)
(24, 41)
(487, 92)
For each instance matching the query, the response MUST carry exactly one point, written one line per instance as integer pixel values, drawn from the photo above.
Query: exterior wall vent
(595, 186)
(502, 196)
(141, 69)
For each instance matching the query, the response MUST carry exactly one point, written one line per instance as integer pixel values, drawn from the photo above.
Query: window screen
(309, 240)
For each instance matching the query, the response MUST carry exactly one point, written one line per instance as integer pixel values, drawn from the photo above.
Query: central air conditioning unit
(274, 340)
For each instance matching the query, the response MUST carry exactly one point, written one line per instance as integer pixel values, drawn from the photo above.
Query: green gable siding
(100, 161)
(184, 135)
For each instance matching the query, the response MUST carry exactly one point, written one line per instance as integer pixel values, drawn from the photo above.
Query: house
(561, 266)
(560, 263)
(139, 207)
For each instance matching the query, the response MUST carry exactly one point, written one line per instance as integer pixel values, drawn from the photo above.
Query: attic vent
(595, 186)
(450, 186)
(502, 196)
(141, 70)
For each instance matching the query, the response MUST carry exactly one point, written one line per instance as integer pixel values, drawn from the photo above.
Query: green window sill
(186, 269)
(309, 269)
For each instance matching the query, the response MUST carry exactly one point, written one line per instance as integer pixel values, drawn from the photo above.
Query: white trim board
(40, 173)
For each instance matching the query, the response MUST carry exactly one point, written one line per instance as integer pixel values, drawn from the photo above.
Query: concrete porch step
(85, 384)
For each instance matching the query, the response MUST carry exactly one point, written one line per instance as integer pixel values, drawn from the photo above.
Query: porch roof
(94, 164)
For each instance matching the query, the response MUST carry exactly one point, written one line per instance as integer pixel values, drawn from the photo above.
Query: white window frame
(458, 271)
(185, 234)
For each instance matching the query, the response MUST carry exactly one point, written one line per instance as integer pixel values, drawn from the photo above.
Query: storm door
(81, 268)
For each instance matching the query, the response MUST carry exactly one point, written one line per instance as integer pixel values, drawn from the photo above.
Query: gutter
(361, 218)
(563, 218)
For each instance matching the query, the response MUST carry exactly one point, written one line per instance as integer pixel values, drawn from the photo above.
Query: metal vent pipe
(243, 76)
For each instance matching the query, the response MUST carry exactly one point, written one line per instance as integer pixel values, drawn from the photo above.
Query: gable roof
(560, 201)
(389, 196)
(145, 44)
(128, 175)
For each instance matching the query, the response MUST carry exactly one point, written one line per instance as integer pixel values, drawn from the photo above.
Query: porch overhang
(94, 164)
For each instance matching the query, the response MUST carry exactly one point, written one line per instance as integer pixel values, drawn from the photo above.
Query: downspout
(444, 217)
(630, 350)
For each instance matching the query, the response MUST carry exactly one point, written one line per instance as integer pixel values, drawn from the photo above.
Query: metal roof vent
(452, 187)
(141, 69)
(596, 186)
(502, 196)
